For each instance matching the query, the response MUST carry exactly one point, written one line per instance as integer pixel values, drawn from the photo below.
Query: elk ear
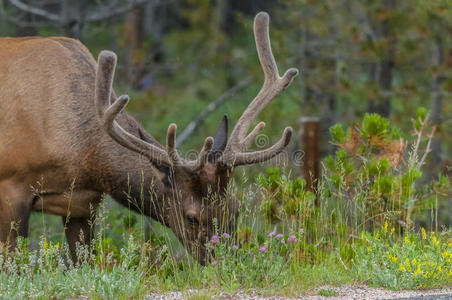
(220, 140)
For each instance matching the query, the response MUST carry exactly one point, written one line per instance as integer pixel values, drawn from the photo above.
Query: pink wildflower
(271, 234)
(214, 240)
(263, 249)
(279, 236)
(235, 247)
(226, 235)
(292, 239)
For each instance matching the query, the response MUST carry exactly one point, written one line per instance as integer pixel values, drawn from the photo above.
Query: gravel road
(358, 292)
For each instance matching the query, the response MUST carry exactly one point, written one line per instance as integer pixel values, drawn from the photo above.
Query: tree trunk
(310, 140)
(385, 67)
(135, 35)
(72, 18)
(437, 100)
(26, 18)
(2, 18)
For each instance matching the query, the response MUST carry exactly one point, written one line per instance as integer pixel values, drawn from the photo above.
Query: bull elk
(61, 124)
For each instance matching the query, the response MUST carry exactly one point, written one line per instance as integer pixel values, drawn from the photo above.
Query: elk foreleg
(14, 216)
(78, 230)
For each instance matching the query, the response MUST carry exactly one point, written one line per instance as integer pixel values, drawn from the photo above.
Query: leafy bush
(284, 198)
(376, 177)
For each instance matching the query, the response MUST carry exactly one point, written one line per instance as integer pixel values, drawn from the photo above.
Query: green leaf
(337, 133)
(374, 125)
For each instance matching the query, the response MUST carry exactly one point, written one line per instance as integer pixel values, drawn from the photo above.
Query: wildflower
(263, 249)
(424, 233)
(279, 236)
(226, 235)
(292, 239)
(435, 240)
(406, 240)
(235, 247)
(214, 240)
(393, 258)
(282, 241)
(385, 228)
(213, 263)
(249, 253)
(418, 270)
(271, 234)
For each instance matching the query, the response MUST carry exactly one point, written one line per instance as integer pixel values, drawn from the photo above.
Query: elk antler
(107, 113)
(235, 152)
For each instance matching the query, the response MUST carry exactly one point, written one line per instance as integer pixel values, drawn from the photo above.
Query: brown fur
(51, 139)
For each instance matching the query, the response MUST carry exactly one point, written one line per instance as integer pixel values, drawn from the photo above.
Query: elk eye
(192, 220)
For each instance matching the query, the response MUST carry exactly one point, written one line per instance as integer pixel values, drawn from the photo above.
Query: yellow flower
(424, 233)
(418, 271)
(402, 268)
(435, 241)
(392, 230)
(393, 258)
(406, 240)
(385, 228)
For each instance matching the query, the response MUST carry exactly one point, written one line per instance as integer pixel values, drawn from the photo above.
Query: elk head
(195, 191)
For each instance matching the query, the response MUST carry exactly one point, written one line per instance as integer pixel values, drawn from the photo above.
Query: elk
(63, 126)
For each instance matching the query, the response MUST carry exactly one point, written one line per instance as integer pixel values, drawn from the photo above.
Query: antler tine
(248, 141)
(239, 141)
(200, 162)
(190, 166)
(107, 113)
(171, 145)
(248, 158)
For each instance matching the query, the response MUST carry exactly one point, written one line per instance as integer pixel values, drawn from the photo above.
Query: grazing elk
(62, 126)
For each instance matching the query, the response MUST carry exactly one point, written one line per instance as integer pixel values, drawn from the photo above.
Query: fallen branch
(94, 17)
(108, 14)
(36, 11)
(193, 125)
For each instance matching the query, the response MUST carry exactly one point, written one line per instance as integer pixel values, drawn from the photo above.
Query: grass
(328, 293)
(130, 268)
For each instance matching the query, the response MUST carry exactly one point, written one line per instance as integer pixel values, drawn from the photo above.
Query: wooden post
(310, 136)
